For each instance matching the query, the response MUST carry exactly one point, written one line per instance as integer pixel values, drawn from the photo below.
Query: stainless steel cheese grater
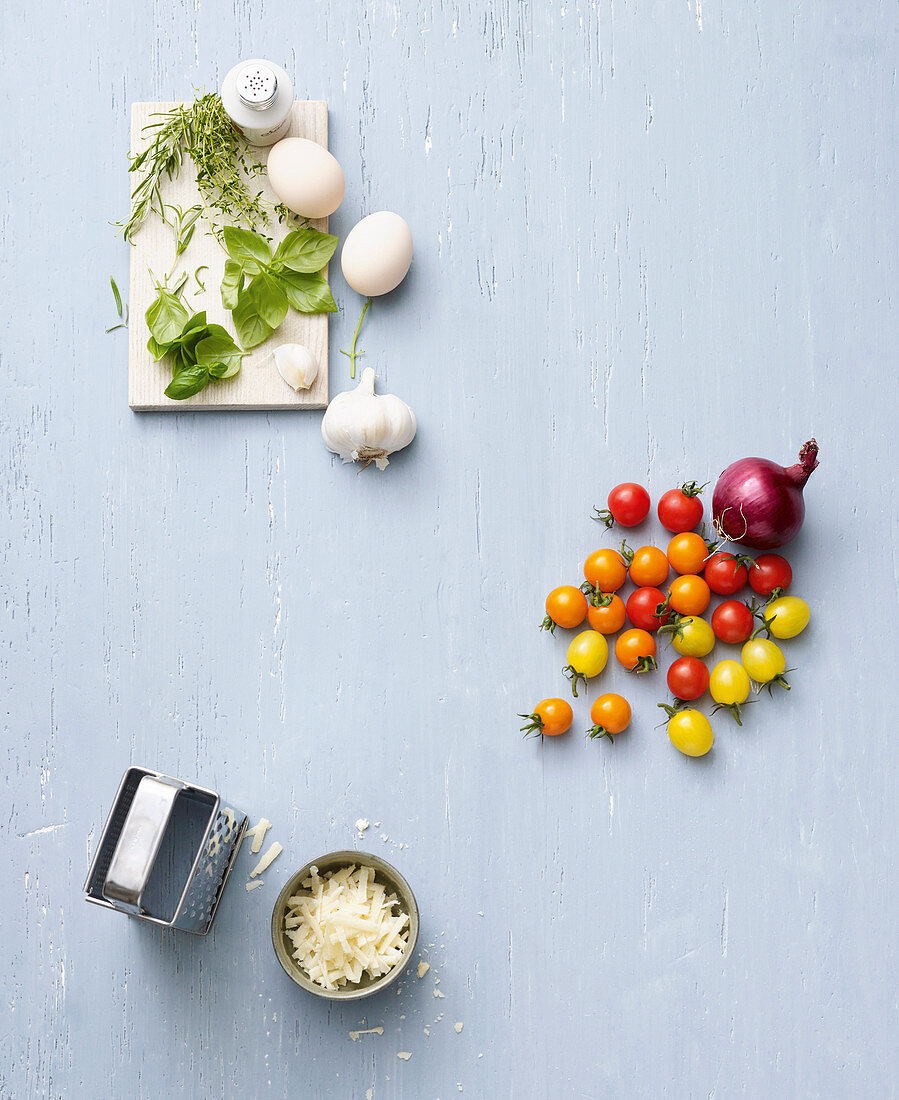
(166, 852)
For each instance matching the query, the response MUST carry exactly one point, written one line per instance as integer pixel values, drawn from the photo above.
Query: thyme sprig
(225, 168)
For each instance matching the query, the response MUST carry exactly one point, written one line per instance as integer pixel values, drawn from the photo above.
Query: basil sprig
(259, 286)
(199, 352)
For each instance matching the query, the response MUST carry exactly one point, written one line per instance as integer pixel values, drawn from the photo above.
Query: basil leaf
(158, 351)
(187, 382)
(219, 370)
(305, 250)
(232, 284)
(252, 330)
(269, 298)
(165, 317)
(307, 293)
(220, 350)
(197, 321)
(248, 249)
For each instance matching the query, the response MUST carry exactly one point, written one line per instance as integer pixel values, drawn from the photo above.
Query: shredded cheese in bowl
(348, 925)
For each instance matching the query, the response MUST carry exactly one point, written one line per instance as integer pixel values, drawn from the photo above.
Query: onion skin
(759, 504)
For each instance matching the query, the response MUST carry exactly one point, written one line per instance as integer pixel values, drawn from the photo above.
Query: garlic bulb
(361, 426)
(297, 365)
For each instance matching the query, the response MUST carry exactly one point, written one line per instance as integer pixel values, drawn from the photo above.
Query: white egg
(305, 177)
(377, 253)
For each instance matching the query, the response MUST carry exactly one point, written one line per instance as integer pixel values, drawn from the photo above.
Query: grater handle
(138, 845)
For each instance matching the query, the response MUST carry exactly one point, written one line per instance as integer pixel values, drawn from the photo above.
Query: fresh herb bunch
(259, 287)
(200, 353)
(224, 168)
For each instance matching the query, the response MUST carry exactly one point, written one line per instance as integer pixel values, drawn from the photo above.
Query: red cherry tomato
(628, 506)
(641, 608)
(681, 509)
(725, 574)
(688, 678)
(732, 622)
(769, 572)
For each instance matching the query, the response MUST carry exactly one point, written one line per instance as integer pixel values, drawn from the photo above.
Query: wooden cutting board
(258, 385)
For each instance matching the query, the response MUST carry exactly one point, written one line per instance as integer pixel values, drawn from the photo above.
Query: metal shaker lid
(257, 86)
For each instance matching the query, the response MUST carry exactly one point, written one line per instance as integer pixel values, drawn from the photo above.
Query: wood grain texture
(650, 238)
(258, 385)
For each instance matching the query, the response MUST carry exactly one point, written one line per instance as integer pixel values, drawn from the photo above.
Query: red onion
(758, 503)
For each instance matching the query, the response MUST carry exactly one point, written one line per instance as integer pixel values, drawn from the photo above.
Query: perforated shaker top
(257, 86)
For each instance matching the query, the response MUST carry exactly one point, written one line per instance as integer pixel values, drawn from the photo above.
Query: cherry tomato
(769, 572)
(689, 595)
(681, 509)
(605, 570)
(610, 714)
(641, 608)
(636, 650)
(628, 506)
(725, 574)
(730, 686)
(566, 606)
(649, 567)
(687, 553)
(587, 656)
(765, 662)
(732, 622)
(787, 616)
(693, 637)
(690, 732)
(688, 678)
(606, 617)
(551, 717)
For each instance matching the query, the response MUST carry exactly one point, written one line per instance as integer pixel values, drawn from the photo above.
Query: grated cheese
(423, 968)
(404, 1054)
(267, 860)
(252, 885)
(258, 834)
(345, 926)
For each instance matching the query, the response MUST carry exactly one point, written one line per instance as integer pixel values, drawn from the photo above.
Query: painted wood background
(651, 237)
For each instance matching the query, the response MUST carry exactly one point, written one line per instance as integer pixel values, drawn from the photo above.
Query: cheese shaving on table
(258, 834)
(254, 884)
(404, 1054)
(423, 968)
(345, 927)
(267, 860)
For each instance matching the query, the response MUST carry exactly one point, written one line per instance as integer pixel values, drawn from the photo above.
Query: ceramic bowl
(333, 861)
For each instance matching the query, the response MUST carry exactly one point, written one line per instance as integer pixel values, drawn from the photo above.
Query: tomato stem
(549, 624)
(533, 725)
(571, 674)
(644, 664)
(734, 709)
(603, 516)
(691, 489)
(600, 731)
(626, 552)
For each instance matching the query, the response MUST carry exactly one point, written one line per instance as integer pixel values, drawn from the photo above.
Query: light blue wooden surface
(650, 238)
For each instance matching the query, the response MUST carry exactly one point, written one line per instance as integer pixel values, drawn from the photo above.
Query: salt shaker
(258, 97)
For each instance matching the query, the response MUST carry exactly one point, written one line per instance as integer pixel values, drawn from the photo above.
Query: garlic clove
(297, 365)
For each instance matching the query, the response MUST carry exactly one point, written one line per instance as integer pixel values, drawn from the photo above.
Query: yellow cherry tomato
(765, 662)
(693, 637)
(550, 718)
(787, 616)
(587, 656)
(690, 732)
(610, 714)
(730, 686)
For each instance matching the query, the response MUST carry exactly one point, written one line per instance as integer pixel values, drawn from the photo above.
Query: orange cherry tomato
(610, 714)
(649, 567)
(566, 606)
(609, 617)
(550, 718)
(687, 553)
(606, 570)
(689, 595)
(636, 650)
